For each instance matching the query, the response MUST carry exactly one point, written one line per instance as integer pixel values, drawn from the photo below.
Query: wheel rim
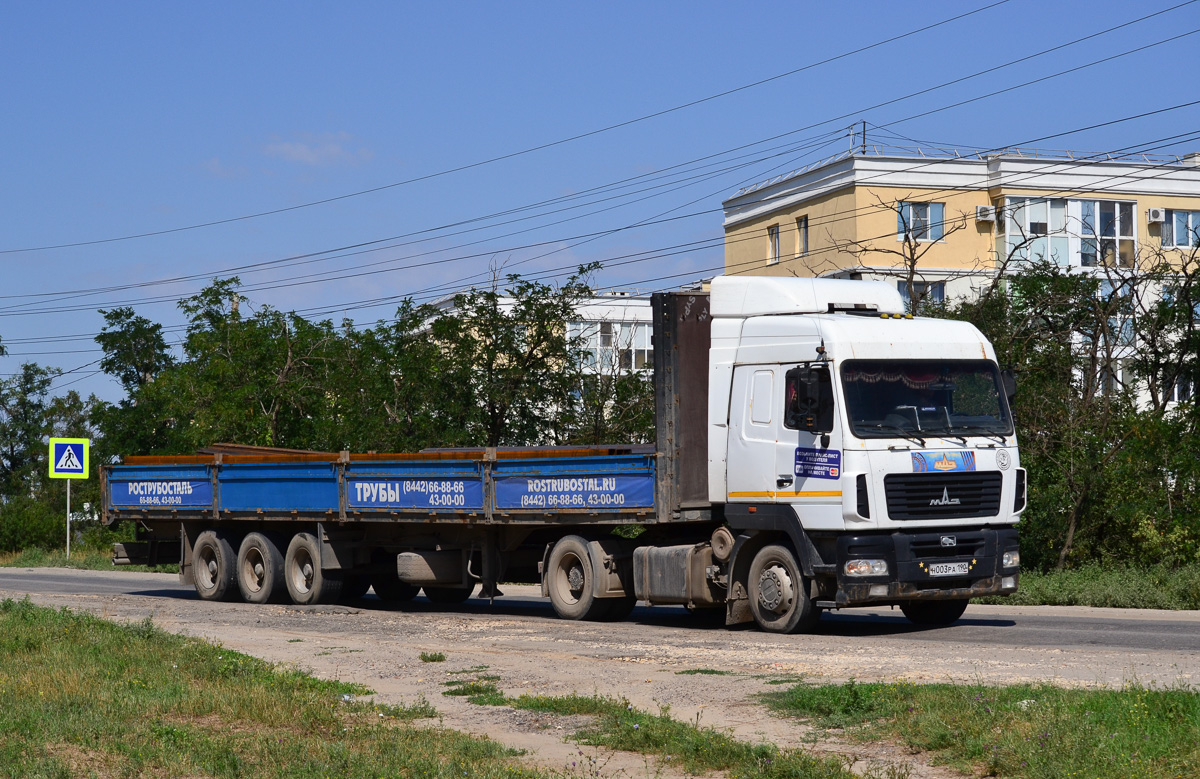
(302, 572)
(776, 591)
(207, 567)
(571, 578)
(254, 570)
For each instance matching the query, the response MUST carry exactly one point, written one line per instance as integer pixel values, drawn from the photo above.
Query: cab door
(810, 444)
(755, 412)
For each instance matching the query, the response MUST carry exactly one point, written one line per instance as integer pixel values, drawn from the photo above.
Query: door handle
(783, 481)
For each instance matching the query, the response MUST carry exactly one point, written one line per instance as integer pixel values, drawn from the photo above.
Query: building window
(920, 221)
(1181, 391)
(607, 347)
(1182, 229)
(925, 291)
(802, 236)
(772, 244)
(1070, 233)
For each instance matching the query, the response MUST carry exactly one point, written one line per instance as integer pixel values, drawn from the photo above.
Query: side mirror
(809, 399)
(1008, 380)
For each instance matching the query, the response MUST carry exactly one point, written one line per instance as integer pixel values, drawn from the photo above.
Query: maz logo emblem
(945, 500)
(949, 541)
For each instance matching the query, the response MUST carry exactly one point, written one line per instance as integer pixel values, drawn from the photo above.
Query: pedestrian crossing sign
(69, 458)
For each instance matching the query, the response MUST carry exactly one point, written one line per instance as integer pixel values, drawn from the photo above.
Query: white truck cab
(880, 446)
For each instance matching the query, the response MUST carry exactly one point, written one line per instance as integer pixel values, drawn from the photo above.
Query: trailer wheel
(260, 569)
(448, 596)
(569, 580)
(214, 566)
(306, 582)
(934, 613)
(779, 596)
(389, 588)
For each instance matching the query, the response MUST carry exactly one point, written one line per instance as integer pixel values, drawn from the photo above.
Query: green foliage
(1018, 731)
(28, 522)
(1155, 587)
(433, 657)
(1112, 479)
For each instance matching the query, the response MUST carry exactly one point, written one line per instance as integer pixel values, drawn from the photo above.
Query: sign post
(69, 460)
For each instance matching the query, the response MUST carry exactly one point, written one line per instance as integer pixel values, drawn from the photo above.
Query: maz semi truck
(817, 448)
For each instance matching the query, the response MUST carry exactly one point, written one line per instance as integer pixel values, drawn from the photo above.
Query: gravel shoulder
(519, 639)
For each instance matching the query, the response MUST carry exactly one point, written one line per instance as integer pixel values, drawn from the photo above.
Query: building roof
(932, 168)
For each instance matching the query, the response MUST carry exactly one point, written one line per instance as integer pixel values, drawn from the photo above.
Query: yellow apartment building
(948, 223)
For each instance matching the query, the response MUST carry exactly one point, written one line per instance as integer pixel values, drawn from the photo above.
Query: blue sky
(128, 118)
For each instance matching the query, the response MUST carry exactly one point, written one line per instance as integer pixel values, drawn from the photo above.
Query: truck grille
(943, 495)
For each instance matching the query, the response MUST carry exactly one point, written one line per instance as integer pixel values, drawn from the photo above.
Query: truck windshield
(886, 398)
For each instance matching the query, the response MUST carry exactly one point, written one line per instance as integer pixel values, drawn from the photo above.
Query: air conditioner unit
(985, 213)
(1156, 215)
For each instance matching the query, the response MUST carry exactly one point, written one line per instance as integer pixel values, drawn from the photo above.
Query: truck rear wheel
(778, 591)
(214, 566)
(569, 581)
(306, 582)
(934, 613)
(260, 569)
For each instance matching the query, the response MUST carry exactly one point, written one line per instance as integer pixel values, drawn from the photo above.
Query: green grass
(82, 559)
(618, 725)
(79, 694)
(703, 672)
(1027, 731)
(1157, 587)
(480, 690)
(433, 657)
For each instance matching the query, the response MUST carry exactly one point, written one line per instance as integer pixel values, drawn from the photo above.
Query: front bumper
(910, 557)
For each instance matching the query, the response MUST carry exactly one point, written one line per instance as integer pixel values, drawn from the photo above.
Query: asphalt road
(997, 626)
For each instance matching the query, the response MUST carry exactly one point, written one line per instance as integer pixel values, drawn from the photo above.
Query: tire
(448, 596)
(389, 588)
(569, 580)
(260, 569)
(307, 584)
(214, 566)
(934, 613)
(779, 596)
(354, 587)
(618, 608)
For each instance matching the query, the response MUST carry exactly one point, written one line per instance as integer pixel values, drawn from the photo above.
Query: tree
(510, 368)
(23, 405)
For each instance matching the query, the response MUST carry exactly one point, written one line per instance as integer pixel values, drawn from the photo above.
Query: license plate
(948, 569)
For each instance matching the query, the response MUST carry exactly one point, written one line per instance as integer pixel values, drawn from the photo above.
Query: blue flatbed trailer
(269, 525)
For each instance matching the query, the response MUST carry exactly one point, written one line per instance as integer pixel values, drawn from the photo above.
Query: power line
(522, 152)
(286, 261)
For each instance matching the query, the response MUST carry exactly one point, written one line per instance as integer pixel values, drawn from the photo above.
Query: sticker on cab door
(818, 463)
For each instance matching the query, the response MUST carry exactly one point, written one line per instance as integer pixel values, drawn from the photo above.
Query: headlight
(1011, 559)
(866, 568)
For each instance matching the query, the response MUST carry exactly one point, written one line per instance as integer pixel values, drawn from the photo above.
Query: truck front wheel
(778, 592)
(934, 613)
(214, 566)
(569, 581)
(259, 569)
(306, 582)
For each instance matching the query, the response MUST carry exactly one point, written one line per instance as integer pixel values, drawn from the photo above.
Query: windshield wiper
(986, 432)
(945, 432)
(906, 434)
